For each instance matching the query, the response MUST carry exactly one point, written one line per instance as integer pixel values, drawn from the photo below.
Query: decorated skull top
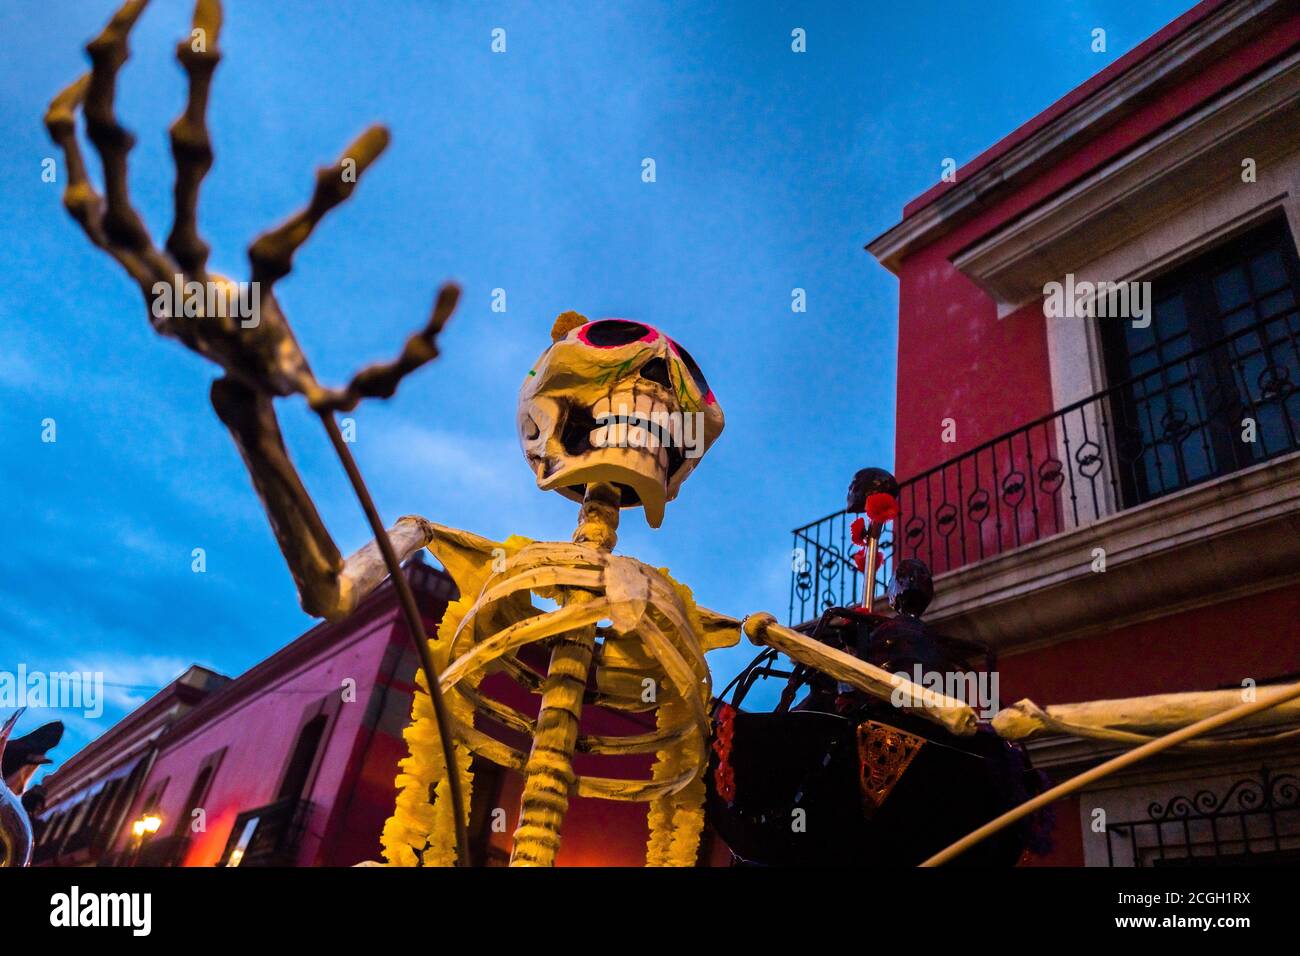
(616, 401)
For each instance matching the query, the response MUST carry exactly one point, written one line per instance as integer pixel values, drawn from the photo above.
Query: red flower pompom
(882, 507)
(724, 777)
(858, 532)
(860, 559)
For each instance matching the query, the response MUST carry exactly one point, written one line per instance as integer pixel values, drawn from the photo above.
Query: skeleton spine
(549, 773)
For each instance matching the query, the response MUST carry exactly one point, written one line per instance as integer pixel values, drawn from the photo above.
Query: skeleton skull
(617, 401)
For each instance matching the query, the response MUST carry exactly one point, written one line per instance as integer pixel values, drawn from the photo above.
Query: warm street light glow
(149, 823)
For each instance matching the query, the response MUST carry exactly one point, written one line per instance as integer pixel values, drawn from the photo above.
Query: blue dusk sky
(520, 171)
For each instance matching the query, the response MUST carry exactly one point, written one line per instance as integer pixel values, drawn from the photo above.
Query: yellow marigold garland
(676, 820)
(421, 832)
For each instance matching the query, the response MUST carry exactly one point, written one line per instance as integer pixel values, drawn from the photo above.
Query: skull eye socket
(697, 375)
(611, 333)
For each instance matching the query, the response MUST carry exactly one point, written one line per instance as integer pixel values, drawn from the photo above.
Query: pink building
(291, 763)
(88, 798)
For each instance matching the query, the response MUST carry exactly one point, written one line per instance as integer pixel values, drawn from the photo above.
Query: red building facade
(1112, 503)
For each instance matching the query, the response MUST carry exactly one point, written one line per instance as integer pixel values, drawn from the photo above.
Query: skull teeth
(633, 421)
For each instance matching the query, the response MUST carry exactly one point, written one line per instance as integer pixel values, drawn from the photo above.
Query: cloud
(454, 459)
(130, 679)
(476, 481)
(17, 371)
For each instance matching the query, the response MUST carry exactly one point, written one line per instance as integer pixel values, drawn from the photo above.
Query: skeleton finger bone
(191, 144)
(122, 226)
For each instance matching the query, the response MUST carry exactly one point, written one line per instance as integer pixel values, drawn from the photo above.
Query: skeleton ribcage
(648, 648)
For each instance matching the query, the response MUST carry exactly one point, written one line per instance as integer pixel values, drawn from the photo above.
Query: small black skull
(867, 482)
(911, 589)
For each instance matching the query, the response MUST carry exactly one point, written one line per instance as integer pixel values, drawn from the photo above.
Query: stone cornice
(1196, 156)
(1183, 55)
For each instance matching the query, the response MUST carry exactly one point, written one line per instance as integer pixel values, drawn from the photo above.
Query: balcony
(1154, 465)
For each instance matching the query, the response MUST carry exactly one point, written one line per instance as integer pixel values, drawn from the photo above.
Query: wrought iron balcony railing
(822, 570)
(162, 851)
(1213, 411)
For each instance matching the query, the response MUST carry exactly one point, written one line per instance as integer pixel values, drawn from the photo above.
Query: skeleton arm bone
(957, 717)
(1139, 719)
(364, 570)
(260, 359)
(328, 586)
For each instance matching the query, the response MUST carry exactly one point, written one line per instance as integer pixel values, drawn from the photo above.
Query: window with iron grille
(1254, 821)
(1219, 359)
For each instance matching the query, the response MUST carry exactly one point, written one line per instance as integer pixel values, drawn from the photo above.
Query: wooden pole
(414, 626)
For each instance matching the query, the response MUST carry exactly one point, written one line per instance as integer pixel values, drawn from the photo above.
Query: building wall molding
(1119, 207)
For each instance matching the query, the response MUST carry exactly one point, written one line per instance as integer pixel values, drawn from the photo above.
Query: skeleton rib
(524, 632)
(678, 671)
(634, 743)
(633, 791)
(502, 713)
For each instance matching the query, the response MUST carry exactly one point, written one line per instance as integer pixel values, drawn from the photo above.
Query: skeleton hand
(259, 353)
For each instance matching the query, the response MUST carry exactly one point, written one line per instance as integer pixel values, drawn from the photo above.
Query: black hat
(30, 749)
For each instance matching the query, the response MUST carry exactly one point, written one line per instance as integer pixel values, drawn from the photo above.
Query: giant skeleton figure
(656, 636)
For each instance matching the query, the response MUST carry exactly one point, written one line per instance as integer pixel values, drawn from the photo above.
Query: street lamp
(149, 823)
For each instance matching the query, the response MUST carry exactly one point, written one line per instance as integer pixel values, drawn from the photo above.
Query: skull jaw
(633, 469)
